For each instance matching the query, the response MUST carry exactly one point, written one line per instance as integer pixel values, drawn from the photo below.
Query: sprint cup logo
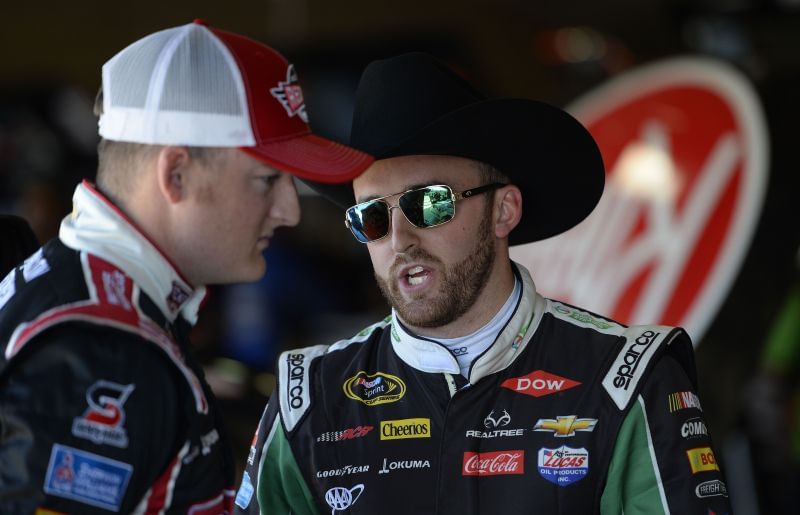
(374, 389)
(685, 146)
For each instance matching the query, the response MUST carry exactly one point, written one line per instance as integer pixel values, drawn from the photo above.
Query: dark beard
(460, 287)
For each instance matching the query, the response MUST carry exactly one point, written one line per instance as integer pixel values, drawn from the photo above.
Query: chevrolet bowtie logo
(565, 426)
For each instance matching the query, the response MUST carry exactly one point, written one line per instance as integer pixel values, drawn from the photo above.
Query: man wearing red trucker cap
(102, 405)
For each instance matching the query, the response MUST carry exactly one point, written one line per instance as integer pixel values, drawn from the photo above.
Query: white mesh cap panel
(180, 86)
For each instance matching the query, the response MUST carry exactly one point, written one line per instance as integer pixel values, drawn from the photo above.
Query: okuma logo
(686, 152)
(340, 498)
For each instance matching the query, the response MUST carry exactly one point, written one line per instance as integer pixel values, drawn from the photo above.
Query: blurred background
(319, 286)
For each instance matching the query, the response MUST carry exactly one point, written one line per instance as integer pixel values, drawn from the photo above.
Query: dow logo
(685, 148)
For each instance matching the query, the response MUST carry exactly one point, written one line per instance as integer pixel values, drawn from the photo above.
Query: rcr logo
(632, 358)
(297, 372)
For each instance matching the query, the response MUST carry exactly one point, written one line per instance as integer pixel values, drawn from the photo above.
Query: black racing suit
(566, 413)
(102, 406)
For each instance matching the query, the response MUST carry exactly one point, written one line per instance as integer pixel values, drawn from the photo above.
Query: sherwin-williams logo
(374, 389)
(562, 427)
(493, 463)
(702, 459)
(539, 383)
(405, 428)
(683, 400)
(564, 465)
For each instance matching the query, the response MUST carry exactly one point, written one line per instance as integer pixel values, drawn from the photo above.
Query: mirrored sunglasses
(426, 207)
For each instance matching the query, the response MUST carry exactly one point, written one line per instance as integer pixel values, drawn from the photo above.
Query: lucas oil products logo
(104, 419)
(539, 383)
(374, 389)
(405, 428)
(563, 465)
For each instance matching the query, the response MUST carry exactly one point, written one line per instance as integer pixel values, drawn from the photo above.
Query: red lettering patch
(539, 383)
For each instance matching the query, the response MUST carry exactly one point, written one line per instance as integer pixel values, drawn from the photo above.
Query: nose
(402, 232)
(285, 208)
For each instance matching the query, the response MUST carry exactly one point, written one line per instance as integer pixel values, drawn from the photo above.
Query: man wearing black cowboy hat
(477, 395)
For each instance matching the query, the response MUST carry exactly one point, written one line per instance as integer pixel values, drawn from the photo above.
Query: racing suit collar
(429, 356)
(98, 227)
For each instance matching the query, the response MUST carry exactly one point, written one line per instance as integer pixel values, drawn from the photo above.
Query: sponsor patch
(711, 489)
(539, 383)
(564, 465)
(103, 421)
(245, 493)
(628, 368)
(374, 389)
(702, 459)
(345, 434)
(342, 471)
(693, 428)
(35, 266)
(497, 463)
(7, 287)
(562, 427)
(116, 287)
(405, 428)
(584, 318)
(290, 95)
(493, 421)
(683, 400)
(389, 466)
(177, 296)
(294, 382)
(340, 498)
(86, 477)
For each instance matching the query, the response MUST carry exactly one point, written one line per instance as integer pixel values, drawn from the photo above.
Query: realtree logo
(539, 383)
(494, 463)
(686, 153)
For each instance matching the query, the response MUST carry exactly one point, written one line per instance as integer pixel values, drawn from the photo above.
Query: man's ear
(171, 166)
(507, 210)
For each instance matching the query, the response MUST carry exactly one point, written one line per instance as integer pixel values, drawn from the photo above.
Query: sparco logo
(494, 463)
(297, 372)
(374, 389)
(693, 427)
(405, 428)
(341, 498)
(632, 358)
(711, 489)
(539, 383)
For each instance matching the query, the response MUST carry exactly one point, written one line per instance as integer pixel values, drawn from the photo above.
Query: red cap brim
(313, 158)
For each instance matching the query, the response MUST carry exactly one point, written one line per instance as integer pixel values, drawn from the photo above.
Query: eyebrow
(408, 188)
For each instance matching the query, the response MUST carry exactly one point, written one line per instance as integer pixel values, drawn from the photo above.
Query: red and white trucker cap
(200, 86)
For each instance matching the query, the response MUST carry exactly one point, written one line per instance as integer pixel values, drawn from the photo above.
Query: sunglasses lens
(429, 206)
(369, 221)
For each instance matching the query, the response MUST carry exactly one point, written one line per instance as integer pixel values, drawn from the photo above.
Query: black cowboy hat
(413, 104)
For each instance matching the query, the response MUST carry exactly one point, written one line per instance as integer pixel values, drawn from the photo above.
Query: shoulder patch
(294, 383)
(586, 319)
(642, 342)
(362, 335)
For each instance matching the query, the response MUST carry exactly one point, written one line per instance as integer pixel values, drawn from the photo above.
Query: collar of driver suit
(98, 227)
(430, 356)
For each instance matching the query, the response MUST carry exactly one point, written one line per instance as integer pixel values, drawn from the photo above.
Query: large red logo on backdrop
(685, 148)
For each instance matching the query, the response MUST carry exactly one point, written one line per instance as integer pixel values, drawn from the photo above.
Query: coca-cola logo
(494, 463)
(685, 148)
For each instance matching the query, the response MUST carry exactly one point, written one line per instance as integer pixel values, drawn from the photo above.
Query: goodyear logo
(405, 428)
(374, 389)
(702, 459)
